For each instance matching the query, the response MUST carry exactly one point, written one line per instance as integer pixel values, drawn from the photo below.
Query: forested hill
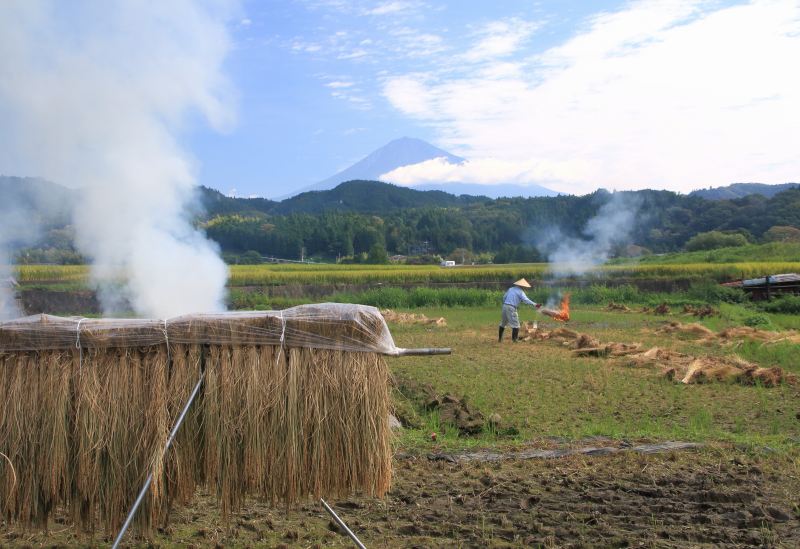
(740, 190)
(371, 197)
(35, 200)
(367, 197)
(362, 216)
(506, 229)
(214, 203)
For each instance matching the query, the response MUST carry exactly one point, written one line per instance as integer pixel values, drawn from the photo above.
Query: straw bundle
(83, 426)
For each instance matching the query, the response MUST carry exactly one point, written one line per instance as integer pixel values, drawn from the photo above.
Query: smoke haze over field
(25, 213)
(613, 225)
(95, 95)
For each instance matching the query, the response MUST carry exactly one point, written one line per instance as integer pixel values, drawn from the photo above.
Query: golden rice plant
(330, 274)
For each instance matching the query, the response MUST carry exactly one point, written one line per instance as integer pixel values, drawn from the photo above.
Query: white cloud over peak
(485, 171)
(663, 94)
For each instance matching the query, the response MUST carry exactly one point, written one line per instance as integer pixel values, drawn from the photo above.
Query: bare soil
(688, 498)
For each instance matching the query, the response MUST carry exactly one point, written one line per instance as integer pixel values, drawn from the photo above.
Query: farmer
(511, 300)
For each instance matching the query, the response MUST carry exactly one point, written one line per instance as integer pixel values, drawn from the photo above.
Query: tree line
(504, 230)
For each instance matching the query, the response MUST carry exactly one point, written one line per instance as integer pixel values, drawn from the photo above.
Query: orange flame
(563, 314)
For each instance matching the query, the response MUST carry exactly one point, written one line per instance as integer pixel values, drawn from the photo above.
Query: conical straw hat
(522, 283)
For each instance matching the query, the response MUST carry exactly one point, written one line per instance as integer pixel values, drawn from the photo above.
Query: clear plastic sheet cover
(336, 326)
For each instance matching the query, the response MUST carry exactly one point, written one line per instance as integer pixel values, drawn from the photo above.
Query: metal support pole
(341, 524)
(149, 479)
(425, 351)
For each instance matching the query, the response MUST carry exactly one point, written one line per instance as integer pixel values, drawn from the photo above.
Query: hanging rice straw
(294, 405)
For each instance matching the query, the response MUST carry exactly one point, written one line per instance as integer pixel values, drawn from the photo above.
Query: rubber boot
(514, 334)
(500, 331)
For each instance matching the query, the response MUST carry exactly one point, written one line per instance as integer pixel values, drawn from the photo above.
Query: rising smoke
(8, 305)
(94, 95)
(14, 230)
(28, 208)
(613, 225)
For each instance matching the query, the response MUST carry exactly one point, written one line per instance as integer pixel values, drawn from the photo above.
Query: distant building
(448, 263)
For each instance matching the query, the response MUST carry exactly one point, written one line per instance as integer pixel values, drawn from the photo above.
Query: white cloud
(662, 94)
(388, 8)
(299, 46)
(500, 39)
(414, 44)
(336, 84)
(484, 171)
(353, 54)
(410, 95)
(352, 95)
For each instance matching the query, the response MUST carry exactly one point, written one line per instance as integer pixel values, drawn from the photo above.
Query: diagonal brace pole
(149, 479)
(342, 525)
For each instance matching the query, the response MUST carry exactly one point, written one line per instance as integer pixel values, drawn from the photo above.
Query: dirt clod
(700, 311)
(457, 412)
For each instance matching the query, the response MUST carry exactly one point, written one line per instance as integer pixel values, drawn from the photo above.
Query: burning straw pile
(562, 314)
(293, 404)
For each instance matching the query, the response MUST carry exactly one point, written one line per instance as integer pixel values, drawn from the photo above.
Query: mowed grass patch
(542, 390)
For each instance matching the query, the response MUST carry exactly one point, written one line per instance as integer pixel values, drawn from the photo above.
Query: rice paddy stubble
(543, 391)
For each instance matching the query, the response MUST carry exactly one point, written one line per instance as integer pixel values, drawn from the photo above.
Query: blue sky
(570, 95)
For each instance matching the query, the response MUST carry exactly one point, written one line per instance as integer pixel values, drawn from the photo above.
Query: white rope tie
(283, 337)
(166, 339)
(79, 346)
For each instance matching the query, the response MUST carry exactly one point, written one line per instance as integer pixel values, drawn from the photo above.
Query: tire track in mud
(486, 455)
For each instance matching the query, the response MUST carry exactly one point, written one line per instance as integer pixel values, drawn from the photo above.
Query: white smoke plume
(613, 225)
(94, 95)
(23, 206)
(17, 229)
(8, 227)
(8, 305)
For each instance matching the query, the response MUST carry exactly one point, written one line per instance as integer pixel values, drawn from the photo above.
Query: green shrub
(597, 294)
(757, 321)
(786, 304)
(713, 293)
(715, 239)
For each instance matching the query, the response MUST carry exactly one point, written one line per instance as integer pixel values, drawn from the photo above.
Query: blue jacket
(514, 296)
